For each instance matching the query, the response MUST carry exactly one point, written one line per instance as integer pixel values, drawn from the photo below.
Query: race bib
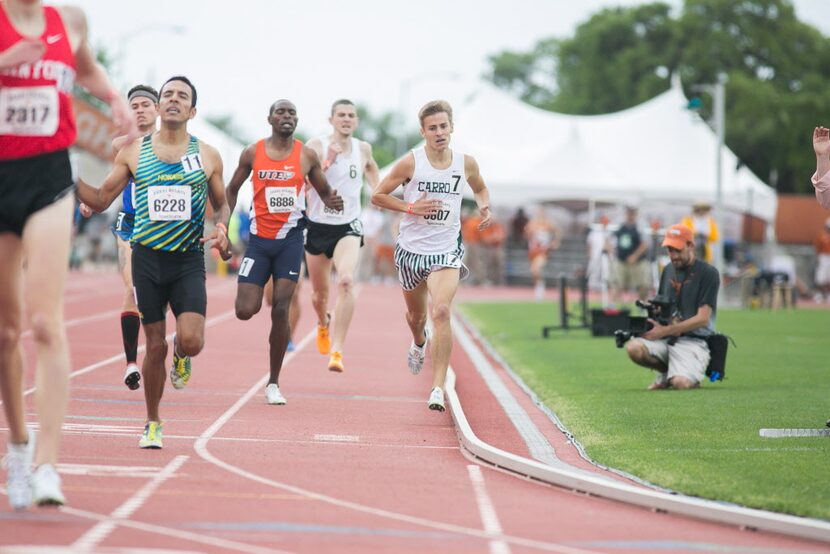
(29, 111)
(441, 218)
(169, 203)
(330, 211)
(280, 200)
(192, 162)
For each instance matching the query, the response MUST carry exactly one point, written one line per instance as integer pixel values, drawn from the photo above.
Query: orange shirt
(494, 235)
(277, 186)
(822, 243)
(469, 230)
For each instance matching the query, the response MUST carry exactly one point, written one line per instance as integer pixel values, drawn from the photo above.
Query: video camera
(659, 308)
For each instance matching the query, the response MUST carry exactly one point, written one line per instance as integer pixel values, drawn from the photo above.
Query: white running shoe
(436, 399)
(273, 395)
(417, 354)
(46, 486)
(132, 376)
(18, 463)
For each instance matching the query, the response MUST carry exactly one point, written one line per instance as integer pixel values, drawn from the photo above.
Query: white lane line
(92, 538)
(779, 433)
(336, 438)
(209, 540)
(201, 448)
(487, 510)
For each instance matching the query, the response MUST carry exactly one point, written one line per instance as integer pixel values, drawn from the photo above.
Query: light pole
(403, 103)
(718, 92)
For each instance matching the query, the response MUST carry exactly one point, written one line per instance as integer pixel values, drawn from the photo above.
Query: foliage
(225, 123)
(702, 442)
(382, 132)
(620, 57)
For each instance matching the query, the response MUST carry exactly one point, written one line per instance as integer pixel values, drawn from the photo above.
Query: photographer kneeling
(678, 351)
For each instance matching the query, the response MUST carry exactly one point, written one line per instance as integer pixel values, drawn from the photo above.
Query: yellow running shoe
(180, 373)
(336, 362)
(323, 339)
(151, 438)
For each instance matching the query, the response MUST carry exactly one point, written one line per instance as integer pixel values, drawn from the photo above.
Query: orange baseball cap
(677, 236)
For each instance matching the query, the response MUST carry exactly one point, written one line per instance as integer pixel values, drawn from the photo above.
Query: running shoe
(273, 395)
(323, 339)
(336, 362)
(18, 464)
(151, 438)
(417, 354)
(180, 374)
(436, 399)
(46, 486)
(660, 382)
(132, 376)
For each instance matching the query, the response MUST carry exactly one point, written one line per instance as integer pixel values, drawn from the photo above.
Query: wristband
(409, 208)
(221, 225)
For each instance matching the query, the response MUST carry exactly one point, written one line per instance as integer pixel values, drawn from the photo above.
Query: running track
(355, 462)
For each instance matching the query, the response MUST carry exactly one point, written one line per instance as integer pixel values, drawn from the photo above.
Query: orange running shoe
(336, 362)
(323, 339)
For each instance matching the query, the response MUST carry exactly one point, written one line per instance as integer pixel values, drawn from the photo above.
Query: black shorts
(30, 184)
(322, 238)
(277, 258)
(122, 227)
(161, 278)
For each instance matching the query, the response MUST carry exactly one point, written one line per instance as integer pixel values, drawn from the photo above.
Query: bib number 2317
(29, 111)
(169, 203)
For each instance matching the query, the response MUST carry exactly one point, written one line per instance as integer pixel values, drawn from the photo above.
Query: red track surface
(355, 462)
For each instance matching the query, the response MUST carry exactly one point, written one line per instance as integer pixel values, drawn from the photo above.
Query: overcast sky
(383, 54)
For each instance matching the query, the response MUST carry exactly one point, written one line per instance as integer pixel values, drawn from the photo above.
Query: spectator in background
(822, 244)
(517, 228)
(471, 237)
(705, 229)
(821, 178)
(631, 272)
(493, 240)
(599, 250)
(542, 235)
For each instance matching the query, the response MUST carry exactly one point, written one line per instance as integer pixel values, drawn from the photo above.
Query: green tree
(620, 57)
(380, 131)
(225, 123)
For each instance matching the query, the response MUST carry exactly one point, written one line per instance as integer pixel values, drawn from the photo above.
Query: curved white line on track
(201, 448)
(487, 511)
(92, 538)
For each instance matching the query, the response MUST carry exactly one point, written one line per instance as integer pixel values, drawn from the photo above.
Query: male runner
(43, 52)
(174, 175)
(280, 165)
(429, 250)
(335, 236)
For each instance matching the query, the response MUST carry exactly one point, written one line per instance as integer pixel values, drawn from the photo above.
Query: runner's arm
(216, 193)
(318, 180)
(370, 168)
(482, 195)
(240, 175)
(99, 199)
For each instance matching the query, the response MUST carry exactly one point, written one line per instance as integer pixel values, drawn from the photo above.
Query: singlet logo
(170, 177)
(48, 70)
(274, 175)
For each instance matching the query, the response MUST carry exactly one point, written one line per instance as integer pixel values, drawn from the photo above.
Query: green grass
(701, 442)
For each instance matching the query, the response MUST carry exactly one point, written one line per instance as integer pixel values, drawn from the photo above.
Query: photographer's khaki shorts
(688, 357)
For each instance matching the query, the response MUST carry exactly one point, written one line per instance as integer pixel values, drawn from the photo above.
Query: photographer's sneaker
(46, 486)
(436, 399)
(273, 395)
(417, 354)
(660, 382)
(132, 376)
(18, 464)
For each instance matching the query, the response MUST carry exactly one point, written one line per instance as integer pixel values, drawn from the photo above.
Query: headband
(145, 94)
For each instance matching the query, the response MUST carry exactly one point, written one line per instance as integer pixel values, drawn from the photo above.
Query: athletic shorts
(688, 357)
(267, 258)
(122, 227)
(413, 269)
(322, 238)
(30, 184)
(161, 278)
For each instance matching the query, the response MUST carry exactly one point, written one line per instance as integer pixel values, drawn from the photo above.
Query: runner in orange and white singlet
(280, 165)
(44, 52)
(542, 235)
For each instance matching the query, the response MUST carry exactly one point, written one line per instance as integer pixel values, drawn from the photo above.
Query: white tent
(656, 152)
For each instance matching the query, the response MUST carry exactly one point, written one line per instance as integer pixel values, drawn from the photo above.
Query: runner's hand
(821, 141)
(123, 119)
(334, 201)
(218, 239)
(331, 155)
(424, 206)
(85, 210)
(486, 218)
(26, 50)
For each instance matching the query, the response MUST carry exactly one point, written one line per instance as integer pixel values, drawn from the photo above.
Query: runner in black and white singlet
(335, 236)
(175, 176)
(429, 251)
